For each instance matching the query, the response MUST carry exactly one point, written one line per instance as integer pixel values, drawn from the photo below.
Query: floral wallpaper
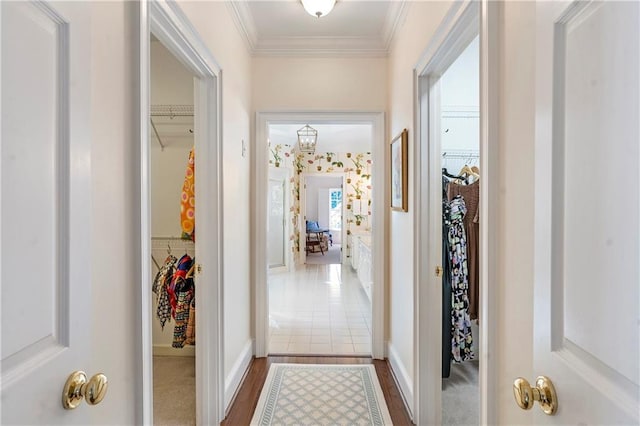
(356, 194)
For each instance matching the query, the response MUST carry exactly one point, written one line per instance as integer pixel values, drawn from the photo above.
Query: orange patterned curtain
(188, 201)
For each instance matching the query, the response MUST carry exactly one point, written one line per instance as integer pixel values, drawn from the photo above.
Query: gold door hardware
(199, 268)
(77, 387)
(438, 271)
(544, 393)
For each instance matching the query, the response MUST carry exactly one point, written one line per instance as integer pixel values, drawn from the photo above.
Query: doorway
(173, 251)
(168, 24)
(278, 224)
(271, 151)
(453, 179)
(322, 209)
(460, 186)
(321, 305)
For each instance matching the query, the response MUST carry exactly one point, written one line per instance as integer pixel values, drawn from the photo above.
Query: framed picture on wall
(399, 180)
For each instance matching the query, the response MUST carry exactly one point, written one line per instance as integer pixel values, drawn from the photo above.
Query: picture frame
(399, 176)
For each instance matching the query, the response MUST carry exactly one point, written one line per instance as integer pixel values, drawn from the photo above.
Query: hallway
(243, 406)
(319, 310)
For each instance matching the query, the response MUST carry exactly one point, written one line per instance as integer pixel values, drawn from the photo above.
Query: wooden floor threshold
(246, 399)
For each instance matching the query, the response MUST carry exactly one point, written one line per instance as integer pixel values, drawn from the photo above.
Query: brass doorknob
(77, 387)
(438, 271)
(544, 393)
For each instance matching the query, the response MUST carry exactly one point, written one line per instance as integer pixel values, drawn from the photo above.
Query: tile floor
(318, 310)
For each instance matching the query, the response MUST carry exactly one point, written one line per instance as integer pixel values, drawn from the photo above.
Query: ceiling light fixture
(318, 8)
(307, 139)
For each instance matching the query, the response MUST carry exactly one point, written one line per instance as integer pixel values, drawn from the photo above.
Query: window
(335, 208)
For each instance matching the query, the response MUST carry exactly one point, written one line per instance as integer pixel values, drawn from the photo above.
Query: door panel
(29, 167)
(45, 205)
(587, 209)
(276, 229)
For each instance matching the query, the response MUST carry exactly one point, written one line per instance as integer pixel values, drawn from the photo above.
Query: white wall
(114, 198)
(412, 38)
(171, 82)
(214, 23)
(460, 100)
(460, 84)
(319, 84)
(168, 169)
(314, 183)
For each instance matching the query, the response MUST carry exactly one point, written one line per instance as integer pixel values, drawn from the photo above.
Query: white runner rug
(321, 394)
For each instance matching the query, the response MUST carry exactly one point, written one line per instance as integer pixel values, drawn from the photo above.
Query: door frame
(285, 174)
(379, 226)
(464, 21)
(172, 27)
(302, 225)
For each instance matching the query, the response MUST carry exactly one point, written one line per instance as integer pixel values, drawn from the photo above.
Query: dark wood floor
(245, 403)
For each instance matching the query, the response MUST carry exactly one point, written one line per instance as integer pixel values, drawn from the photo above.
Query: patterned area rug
(312, 394)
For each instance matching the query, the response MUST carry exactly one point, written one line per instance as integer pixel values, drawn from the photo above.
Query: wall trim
(402, 378)
(301, 46)
(236, 376)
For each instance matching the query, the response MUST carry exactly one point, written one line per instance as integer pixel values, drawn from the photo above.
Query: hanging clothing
(471, 195)
(461, 339)
(184, 293)
(182, 289)
(182, 267)
(188, 201)
(191, 324)
(160, 286)
(446, 284)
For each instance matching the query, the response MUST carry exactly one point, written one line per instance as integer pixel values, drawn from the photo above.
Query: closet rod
(461, 155)
(157, 134)
(172, 239)
(158, 114)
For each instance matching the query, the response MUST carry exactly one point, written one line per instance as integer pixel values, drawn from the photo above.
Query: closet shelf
(172, 110)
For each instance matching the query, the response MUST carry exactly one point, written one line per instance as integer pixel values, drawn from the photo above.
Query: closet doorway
(173, 251)
(450, 191)
(179, 111)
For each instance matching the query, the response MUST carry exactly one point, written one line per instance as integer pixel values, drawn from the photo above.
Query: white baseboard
(233, 381)
(168, 350)
(402, 378)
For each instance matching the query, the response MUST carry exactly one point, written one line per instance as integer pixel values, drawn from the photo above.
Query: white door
(45, 228)
(587, 214)
(276, 224)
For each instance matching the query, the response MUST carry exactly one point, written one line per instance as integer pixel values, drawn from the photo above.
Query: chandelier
(307, 139)
(318, 8)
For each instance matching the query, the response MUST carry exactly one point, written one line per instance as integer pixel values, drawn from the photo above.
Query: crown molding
(321, 46)
(317, 46)
(245, 24)
(396, 15)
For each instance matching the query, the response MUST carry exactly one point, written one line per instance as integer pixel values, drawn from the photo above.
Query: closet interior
(172, 168)
(460, 145)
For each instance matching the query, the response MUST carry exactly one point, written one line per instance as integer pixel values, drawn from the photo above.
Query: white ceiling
(354, 27)
(331, 137)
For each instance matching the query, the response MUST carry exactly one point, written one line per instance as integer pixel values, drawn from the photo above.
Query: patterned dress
(160, 287)
(461, 339)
